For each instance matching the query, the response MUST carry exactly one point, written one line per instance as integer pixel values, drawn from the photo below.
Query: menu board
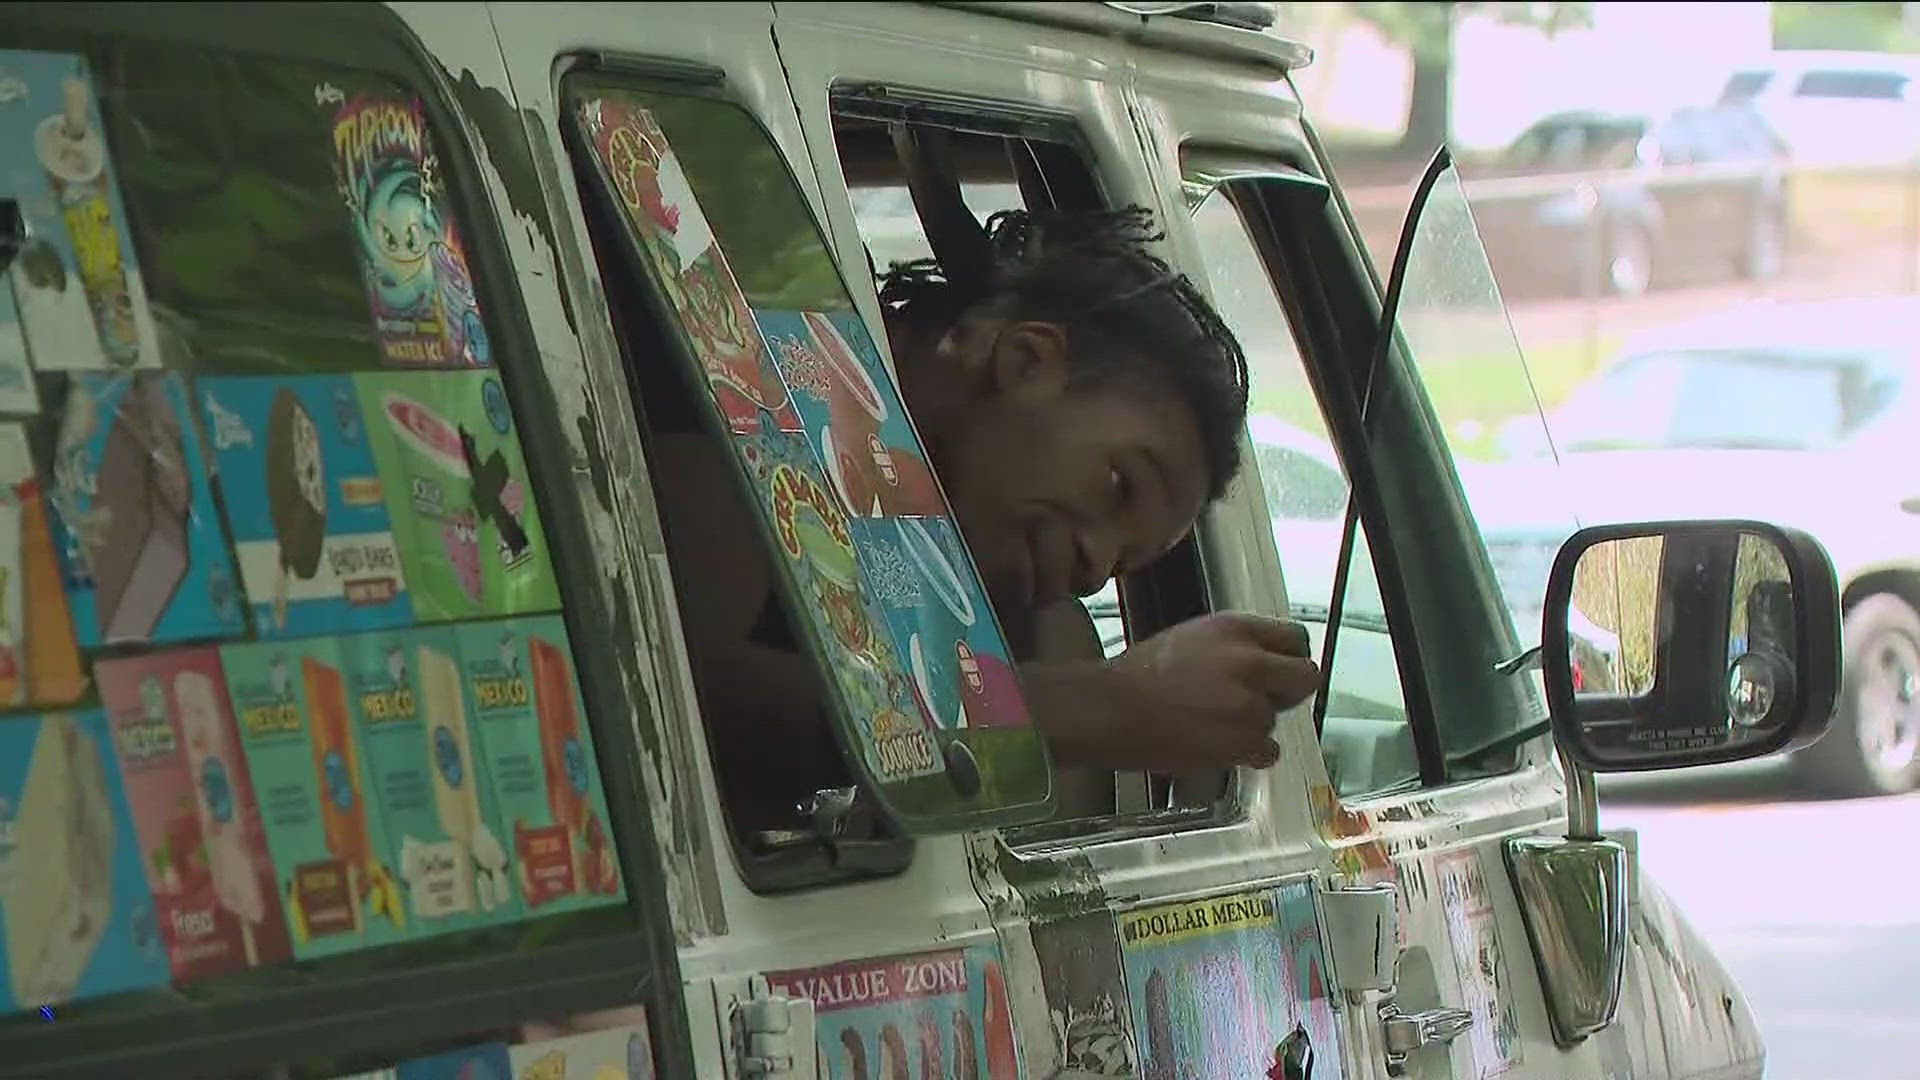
(284, 667)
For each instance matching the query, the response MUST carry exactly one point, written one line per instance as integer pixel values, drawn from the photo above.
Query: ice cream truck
(355, 723)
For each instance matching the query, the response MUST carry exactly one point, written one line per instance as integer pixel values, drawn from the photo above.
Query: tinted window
(1856, 85)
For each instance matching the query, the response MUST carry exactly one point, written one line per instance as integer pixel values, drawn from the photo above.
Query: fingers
(1283, 636)
(1285, 680)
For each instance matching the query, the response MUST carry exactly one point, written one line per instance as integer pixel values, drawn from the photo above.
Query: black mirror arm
(14, 233)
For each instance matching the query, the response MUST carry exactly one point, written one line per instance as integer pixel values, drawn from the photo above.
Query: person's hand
(1203, 694)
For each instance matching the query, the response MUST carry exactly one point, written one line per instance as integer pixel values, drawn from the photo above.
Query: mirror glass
(1681, 646)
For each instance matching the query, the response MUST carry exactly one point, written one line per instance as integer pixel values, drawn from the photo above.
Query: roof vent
(1243, 16)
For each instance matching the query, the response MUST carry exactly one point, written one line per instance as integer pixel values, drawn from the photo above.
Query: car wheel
(1766, 254)
(1873, 747)
(1628, 270)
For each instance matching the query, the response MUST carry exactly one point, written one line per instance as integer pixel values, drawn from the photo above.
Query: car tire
(1873, 747)
(1765, 257)
(1626, 270)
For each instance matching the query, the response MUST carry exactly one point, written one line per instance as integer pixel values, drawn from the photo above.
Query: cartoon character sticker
(939, 1014)
(1487, 992)
(814, 535)
(660, 207)
(415, 268)
(1219, 987)
(80, 299)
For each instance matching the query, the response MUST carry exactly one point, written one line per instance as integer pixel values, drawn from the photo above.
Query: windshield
(1706, 400)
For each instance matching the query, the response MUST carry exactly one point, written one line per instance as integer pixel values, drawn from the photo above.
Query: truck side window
(720, 561)
(1367, 740)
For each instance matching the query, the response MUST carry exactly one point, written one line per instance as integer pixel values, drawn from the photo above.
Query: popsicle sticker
(81, 301)
(415, 268)
(498, 498)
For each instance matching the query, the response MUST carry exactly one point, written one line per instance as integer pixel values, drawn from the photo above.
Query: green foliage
(1865, 26)
(1424, 28)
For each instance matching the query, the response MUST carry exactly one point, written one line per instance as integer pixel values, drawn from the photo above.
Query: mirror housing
(1728, 643)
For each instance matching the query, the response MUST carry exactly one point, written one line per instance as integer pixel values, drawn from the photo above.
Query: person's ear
(1028, 361)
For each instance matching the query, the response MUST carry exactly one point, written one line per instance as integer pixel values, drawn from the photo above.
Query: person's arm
(761, 704)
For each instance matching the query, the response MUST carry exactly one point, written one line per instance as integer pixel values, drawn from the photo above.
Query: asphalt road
(1812, 905)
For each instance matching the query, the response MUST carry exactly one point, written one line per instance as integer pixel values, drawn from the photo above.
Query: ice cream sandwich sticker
(141, 552)
(304, 504)
(418, 281)
(78, 295)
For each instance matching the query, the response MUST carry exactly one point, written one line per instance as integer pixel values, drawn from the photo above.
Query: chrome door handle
(1407, 1032)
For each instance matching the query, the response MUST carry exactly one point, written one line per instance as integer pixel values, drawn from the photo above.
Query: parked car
(1833, 108)
(1613, 203)
(1804, 413)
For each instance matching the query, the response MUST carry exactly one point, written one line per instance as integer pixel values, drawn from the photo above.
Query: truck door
(1428, 754)
(824, 879)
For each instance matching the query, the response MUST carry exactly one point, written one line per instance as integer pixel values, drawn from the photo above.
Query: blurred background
(1705, 220)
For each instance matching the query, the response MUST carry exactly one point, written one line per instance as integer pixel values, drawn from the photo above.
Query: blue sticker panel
(76, 918)
(142, 558)
(78, 289)
(942, 627)
(305, 505)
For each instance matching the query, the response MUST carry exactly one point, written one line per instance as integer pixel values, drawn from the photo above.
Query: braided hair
(1131, 320)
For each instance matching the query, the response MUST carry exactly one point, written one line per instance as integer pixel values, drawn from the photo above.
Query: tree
(1425, 30)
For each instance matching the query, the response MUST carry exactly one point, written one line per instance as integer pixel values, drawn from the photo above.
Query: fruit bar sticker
(621, 1054)
(688, 265)
(328, 840)
(39, 663)
(813, 533)
(76, 920)
(411, 258)
(80, 299)
(304, 505)
(192, 796)
(1217, 986)
(930, 1014)
(536, 751)
(142, 556)
(1485, 989)
(942, 627)
(853, 414)
(405, 691)
(463, 513)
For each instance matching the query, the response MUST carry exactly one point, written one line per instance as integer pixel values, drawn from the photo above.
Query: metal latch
(773, 1033)
(1406, 1032)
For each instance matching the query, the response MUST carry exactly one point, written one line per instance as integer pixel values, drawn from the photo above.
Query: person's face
(1058, 488)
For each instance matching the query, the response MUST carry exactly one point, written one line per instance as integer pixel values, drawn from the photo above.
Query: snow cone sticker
(813, 532)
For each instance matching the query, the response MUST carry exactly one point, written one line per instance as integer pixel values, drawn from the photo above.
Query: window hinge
(773, 1034)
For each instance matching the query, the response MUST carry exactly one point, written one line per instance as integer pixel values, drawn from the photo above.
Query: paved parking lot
(1811, 904)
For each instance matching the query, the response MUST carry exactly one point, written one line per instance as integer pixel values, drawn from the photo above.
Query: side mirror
(1724, 643)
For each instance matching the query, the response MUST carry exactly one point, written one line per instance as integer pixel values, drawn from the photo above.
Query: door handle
(1406, 1032)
